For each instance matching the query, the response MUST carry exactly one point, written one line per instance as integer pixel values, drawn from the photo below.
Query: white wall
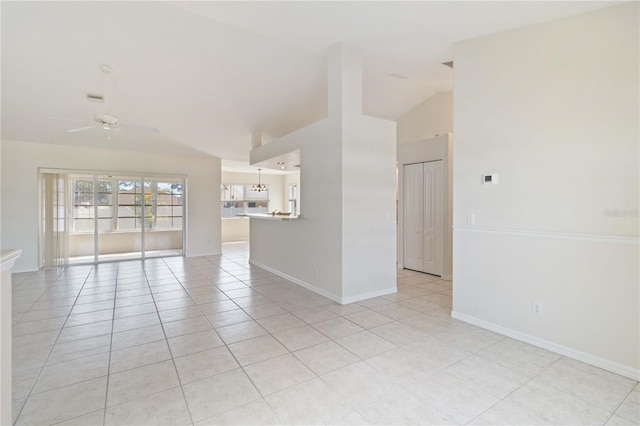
(235, 229)
(552, 108)
(20, 196)
(368, 207)
(309, 250)
(432, 117)
(344, 245)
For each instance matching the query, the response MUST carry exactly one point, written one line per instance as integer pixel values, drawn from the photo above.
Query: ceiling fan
(108, 121)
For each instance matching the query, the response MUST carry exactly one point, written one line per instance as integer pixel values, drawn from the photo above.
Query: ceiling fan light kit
(107, 121)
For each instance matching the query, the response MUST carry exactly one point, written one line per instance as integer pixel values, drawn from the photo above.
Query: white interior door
(413, 216)
(433, 217)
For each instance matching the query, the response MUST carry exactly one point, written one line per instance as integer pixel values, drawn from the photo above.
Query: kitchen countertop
(269, 216)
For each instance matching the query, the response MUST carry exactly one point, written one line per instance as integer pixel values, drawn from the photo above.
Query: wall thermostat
(490, 179)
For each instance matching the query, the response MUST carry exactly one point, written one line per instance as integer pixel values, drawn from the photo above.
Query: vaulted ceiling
(207, 73)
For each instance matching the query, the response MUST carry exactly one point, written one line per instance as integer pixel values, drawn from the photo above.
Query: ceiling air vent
(95, 97)
(449, 64)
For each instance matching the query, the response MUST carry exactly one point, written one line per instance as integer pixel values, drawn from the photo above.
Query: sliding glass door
(164, 200)
(120, 224)
(82, 242)
(124, 217)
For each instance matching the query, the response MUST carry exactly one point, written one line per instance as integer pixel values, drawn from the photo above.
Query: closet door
(433, 217)
(413, 216)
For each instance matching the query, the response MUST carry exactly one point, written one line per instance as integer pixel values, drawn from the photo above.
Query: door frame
(440, 246)
(439, 147)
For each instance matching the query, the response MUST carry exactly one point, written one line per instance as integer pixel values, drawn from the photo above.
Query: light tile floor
(213, 340)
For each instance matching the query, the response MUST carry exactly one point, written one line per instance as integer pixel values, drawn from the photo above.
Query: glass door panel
(82, 220)
(149, 205)
(164, 220)
(129, 211)
(104, 205)
(119, 217)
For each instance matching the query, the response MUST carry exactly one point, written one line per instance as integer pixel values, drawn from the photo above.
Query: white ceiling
(208, 73)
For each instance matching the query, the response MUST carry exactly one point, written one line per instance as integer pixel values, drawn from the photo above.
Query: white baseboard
(202, 254)
(301, 283)
(370, 295)
(23, 270)
(614, 367)
(324, 293)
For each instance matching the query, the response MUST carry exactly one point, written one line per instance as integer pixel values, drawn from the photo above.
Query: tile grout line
(358, 358)
(252, 382)
(223, 342)
(113, 319)
(471, 354)
(289, 311)
(50, 348)
(580, 398)
(405, 387)
(98, 377)
(37, 299)
(620, 405)
(530, 379)
(166, 339)
(26, 398)
(240, 366)
(86, 323)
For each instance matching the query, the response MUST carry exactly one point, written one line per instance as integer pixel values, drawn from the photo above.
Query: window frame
(139, 193)
(172, 195)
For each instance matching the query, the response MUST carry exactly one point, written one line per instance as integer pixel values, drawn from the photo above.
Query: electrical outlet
(536, 309)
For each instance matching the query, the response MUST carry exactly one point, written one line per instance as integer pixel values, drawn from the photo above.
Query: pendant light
(260, 187)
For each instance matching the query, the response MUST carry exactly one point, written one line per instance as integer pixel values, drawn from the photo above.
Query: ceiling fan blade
(139, 128)
(80, 129)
